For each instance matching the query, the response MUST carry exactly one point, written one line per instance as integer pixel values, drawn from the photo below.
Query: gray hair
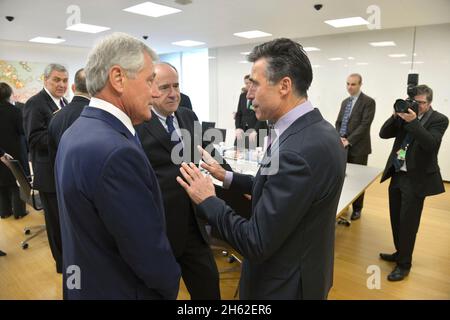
(52, 67)
(116, 49)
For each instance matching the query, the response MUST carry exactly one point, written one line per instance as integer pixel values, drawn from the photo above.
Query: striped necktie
(346, 117)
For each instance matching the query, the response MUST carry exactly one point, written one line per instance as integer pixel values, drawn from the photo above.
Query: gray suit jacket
(288, 243)
(358, 132)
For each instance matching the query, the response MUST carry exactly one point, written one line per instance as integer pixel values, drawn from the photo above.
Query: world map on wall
(25, 78)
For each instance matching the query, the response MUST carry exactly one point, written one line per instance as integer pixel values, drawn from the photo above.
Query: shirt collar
(356, 96)
(160, 116)
(286, 120)
(112, 109)
(55, 100)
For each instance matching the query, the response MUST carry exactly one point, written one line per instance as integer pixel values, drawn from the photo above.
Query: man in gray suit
(353, 124)
(288, 242)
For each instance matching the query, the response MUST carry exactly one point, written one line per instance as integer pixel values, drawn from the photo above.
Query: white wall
(72, 58)
(193, 71)
(384, 78)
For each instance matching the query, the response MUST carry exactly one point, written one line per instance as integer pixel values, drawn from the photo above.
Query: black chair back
(25, 187)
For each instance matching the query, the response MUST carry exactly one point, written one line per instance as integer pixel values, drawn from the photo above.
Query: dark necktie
(346, 117)
(271, 136)
(61, 103)
(171, 129)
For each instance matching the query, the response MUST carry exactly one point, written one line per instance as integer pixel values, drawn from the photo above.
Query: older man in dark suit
(353, 124)
(112, 214)
(288, 242)
(160, 139)
(38, 112)
(64, 118)
(414, 172)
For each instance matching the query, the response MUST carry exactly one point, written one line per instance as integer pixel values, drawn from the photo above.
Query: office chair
(205, 126)
(27, 195)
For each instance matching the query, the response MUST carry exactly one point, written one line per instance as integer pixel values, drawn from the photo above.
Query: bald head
(354, 82)
(166, 80)
(79, 83)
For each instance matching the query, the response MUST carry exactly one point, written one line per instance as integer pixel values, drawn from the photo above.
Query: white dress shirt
(55, 100)
(116, 112)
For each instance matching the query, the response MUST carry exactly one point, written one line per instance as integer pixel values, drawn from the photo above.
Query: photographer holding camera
(413, 166)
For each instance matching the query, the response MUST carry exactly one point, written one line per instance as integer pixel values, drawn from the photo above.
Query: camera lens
(401, 106)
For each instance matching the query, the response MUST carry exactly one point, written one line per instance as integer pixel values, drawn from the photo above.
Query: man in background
(414, 172)
(185, 101)
(38, 112)
(353, 124)
(245, 119)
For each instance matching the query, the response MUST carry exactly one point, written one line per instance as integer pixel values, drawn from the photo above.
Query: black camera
(402, 106)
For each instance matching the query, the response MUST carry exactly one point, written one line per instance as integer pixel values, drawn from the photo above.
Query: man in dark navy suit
(38, 112)
(112, 213)
(64, 118)
(288, 242)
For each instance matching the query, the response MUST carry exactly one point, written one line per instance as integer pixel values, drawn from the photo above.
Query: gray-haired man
(38, 112)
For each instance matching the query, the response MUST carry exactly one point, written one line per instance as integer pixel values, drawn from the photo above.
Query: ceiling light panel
(152, 9)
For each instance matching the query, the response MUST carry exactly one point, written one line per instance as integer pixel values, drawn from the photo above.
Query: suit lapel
(50, 102)
(298, 125)
(357, 105)
(155, 128)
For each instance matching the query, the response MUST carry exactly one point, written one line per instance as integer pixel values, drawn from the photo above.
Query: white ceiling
(209, 21)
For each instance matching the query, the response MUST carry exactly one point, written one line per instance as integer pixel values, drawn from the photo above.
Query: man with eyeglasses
(163, 142)
(415, 174)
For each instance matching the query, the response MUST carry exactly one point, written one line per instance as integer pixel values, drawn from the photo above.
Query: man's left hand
(408, 117)
(345, 142)
(198, 186)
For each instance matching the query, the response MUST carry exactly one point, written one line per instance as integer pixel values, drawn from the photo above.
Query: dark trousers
(358, 203)
(51, 213)
(199, 269)
(405, 209)
(10, 202)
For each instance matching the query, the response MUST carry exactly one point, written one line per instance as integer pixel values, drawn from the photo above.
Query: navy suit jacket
(112, 216)
(288, 242)
(62, 120)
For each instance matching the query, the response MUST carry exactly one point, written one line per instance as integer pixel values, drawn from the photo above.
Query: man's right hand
(211, 165)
